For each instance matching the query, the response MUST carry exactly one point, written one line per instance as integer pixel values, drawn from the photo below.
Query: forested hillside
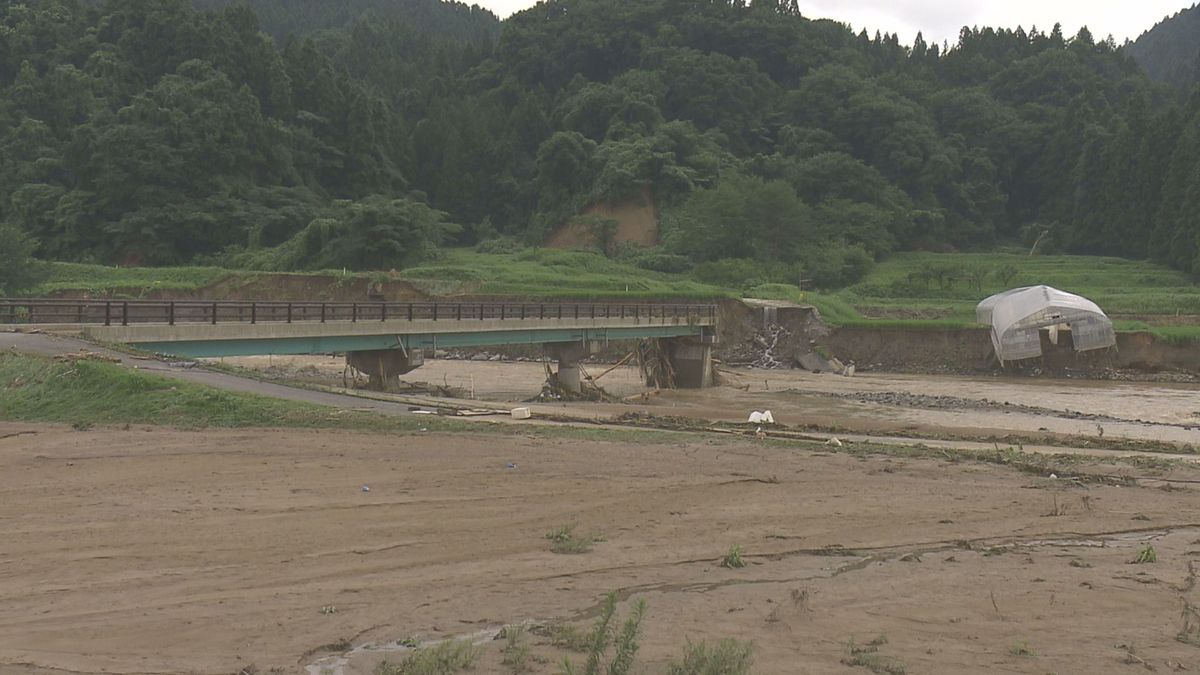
(283, 18)
(145, 131)
(1170, 52)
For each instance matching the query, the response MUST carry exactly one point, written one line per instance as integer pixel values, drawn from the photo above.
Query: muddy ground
(917, 406)
(154, 551)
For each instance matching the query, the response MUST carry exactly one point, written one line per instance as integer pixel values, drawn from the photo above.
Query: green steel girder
(353, 343)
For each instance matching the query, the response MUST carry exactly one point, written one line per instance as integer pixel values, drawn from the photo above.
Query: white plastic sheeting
(761, 417)
(1018, 315)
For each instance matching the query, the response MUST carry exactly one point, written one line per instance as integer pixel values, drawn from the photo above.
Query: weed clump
(1021, 650)
(727, 657)
(568, 637)
(868, 656)
(564, 540)
(516, 651)
(1145, 555)
(624, 643)
(444, 658)
(1190, 632)
(733, 559)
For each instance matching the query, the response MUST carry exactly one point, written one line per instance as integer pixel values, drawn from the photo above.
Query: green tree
(18, 270)
(741, 217)
(376, 233)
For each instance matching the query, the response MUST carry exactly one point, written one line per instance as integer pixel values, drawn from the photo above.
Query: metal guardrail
(133, 312)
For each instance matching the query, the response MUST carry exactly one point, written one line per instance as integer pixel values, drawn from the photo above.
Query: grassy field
(102, 278)
(918, 290)
(927, 290)
(551, 273)
(948, 286)
(534, 273)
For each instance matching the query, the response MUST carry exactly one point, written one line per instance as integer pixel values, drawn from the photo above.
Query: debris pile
(553, 391)
(768, 341)
(655, 365)
(768, 348)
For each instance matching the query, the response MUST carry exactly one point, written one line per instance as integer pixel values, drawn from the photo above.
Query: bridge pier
(385, 366)
(690, 361)
(568, 355)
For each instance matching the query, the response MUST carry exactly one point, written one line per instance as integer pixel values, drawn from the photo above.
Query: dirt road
(152, 551)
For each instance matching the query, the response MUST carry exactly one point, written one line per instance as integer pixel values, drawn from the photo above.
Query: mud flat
(923, 406)
(155, 551)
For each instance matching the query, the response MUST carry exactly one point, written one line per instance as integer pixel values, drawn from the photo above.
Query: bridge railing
(133, 312)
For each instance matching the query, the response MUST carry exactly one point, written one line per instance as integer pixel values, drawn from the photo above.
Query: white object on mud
(1017, 317)
(834, 442)
(366, 488)
(764, 417)
(521, 413)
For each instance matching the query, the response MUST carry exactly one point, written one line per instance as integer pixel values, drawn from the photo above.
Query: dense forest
(1170, 52)
(367, 134)
(284, 18)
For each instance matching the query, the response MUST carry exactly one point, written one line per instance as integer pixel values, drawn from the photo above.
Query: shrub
(657, 261)
(500, 245)
(786, 292)
(745, 272)
(837, 266)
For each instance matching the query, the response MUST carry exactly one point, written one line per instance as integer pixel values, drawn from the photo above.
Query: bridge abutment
(385, 366)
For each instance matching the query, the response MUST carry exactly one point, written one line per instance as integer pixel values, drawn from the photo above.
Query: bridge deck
(209, 329)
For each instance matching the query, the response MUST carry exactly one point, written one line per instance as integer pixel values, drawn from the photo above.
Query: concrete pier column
(690, 361)
(569, 377)
(385, 366)
(693, 365)
(568, 355)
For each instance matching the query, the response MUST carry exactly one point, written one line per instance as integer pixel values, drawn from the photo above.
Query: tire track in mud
(869, 555)
(903, 399)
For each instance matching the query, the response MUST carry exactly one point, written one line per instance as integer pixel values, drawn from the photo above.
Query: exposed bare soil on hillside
(636, 223)
(155, 551)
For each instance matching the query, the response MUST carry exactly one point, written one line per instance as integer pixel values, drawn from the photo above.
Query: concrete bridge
(382, 339)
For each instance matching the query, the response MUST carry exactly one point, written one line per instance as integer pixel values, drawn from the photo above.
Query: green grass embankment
(84, 393)
(905, 290)
(99, 279)
(549, 273)
(533, 273)
(902, 283)
(908, 290)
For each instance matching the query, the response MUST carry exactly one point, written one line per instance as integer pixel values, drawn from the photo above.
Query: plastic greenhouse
(1017, 317)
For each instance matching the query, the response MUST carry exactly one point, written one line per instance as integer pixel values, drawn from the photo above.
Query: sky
(940, 20)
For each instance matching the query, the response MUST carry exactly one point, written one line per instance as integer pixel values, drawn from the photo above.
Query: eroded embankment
(969, 350)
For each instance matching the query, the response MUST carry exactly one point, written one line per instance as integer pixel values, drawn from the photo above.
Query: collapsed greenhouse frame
(1017, 317)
